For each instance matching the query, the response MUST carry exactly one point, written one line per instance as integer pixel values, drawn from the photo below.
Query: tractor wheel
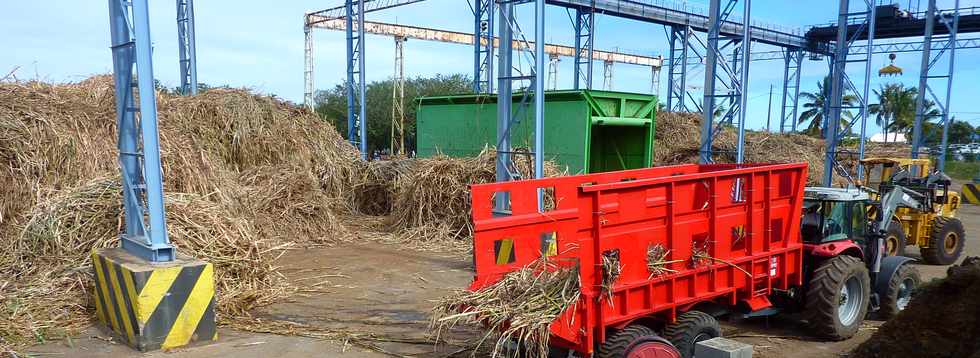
(837, 297)
(895, 240)
(945, 243)
(636, 341)
(692, 327)
(900, 289)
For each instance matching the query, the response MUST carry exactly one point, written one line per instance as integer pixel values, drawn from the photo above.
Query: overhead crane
(430, 34)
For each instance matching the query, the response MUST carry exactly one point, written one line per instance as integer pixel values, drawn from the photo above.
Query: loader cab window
(826, 221)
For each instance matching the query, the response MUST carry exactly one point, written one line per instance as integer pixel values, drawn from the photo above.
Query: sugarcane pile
(245, 177)
(519, 308)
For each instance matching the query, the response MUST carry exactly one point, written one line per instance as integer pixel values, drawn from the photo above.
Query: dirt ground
(387, 290)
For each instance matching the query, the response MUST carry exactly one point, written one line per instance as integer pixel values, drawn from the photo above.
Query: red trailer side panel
(745, 218)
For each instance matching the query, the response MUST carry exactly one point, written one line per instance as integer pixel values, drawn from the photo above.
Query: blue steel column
(791, 88)
(356, 126)
(677, 68)
(744, 88)
(584, 40)
(504, 98)
(140, 165)
(836, 95)
(928, 62)
(187, 45)
(710, 67)
(865, 97)
(483, 46)
(539, 95)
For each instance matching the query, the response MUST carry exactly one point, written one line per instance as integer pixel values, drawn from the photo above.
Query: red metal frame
(748, 216)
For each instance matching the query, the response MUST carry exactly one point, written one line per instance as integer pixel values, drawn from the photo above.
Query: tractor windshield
(826, 221)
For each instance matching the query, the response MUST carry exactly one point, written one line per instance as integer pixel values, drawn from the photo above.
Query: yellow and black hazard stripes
(155, 307)
(971, 193)
(504, 251)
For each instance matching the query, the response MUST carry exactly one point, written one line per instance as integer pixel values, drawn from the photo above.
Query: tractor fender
(836, 248)
(889, 266)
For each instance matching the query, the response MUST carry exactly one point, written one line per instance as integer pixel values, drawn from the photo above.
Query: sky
(259, 45)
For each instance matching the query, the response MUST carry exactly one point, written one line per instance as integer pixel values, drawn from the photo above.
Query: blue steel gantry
(725, 52)
(139, 148)
(841, 84)
(950, 21)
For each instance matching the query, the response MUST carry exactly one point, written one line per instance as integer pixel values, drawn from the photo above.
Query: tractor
(932, 226)
(847, 272)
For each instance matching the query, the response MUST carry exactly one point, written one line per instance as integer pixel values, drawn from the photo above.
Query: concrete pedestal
(154, 306)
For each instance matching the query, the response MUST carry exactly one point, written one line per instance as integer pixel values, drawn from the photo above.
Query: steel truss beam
(680, 49)
(483, 11)
(836, 126)
(928, 73)
(584, 46)
(791, 89)
(356, 106)
(139, 147)
(187, 47)
(733, 76)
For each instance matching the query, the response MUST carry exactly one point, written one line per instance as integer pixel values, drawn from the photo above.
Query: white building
(891, 137)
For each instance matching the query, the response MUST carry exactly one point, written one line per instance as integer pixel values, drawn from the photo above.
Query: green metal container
(586, 131)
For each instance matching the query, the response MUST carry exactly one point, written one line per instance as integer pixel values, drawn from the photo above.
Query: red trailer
(744, 218)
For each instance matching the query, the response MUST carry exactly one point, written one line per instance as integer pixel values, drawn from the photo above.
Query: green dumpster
(585, 131)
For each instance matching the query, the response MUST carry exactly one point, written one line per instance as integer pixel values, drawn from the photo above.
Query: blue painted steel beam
(584, 49)
(356, 109)
(941, 100)
(660, 13)
(791, 89)
(139, 148)
(483, 46)
(186, 44)
(539, 94)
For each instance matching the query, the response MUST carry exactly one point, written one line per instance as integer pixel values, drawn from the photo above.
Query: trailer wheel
(837, 297)
(692, 327)
(945, 243)
(895, 240)
(900, 289)
(636, 341)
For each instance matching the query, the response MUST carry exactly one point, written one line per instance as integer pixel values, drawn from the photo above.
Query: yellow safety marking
(190, 315)
(131, 292)
(154, 290)
(120, 301)
(99, 308)
(971, 193)
(503, 257)
(103, 282)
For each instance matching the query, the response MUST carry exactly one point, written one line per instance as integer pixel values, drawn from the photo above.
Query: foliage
(895, 110)
(962, 170)
(817, 106)
(332, 105)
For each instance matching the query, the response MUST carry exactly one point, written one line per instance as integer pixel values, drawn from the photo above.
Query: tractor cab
(834, 214)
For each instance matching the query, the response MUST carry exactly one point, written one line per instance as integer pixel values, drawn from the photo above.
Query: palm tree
(895, 110)
(816, 106)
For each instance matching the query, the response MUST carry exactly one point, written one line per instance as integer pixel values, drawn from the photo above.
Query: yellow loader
(936, 231)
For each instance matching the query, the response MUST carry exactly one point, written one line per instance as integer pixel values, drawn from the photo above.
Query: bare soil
(386, 291)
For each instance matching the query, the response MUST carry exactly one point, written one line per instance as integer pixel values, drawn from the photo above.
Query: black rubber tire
(690, 328)
(936, 253)
(896, 233)
(616, 344)
(823, 296)
(889, 303)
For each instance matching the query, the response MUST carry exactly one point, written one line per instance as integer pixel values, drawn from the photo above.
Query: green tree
(332, 105)
(960, 132)
(895, 110)
(816, 107)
